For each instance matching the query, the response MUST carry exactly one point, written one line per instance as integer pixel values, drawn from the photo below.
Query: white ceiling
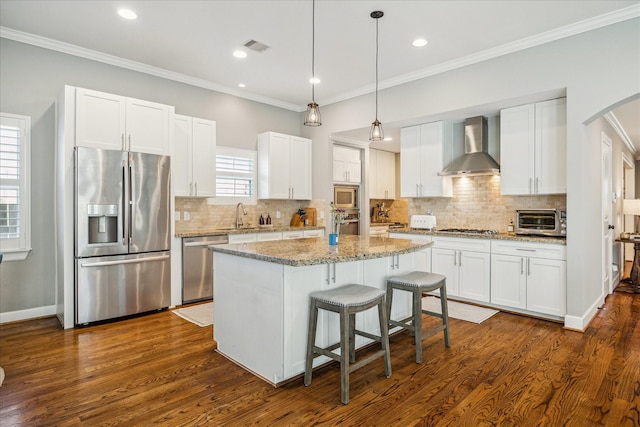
(193, 41)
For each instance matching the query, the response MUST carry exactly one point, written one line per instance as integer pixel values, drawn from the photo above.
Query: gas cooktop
(467, 231)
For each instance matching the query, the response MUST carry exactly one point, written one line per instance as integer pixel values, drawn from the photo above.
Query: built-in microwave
(345, 196)
(542, 222)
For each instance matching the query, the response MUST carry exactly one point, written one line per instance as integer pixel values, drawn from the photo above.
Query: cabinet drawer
(462, 244)
(529, 249)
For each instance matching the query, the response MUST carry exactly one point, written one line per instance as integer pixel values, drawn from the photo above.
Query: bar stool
(419, 283)
(347, 301)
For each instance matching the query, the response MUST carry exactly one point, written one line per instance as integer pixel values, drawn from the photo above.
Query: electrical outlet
(177, 216)
(321, 214)
(186, 215)
(277, 214)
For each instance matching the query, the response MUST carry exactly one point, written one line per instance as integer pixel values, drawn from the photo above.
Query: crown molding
(611, 118)
(526, 43)
(116, 61)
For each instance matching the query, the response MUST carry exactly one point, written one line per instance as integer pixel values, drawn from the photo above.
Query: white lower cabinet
(243, 238)
(529, 276)
(314, 233)
(423, 256)
(293, 234)
(466, 263)
(299, 283)
(268, 236)
(265, 236)
(376, 272)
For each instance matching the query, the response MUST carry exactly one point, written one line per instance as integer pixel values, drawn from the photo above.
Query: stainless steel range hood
(475, 160)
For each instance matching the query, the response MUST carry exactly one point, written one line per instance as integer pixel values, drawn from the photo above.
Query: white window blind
(15, 219)
(235, 175)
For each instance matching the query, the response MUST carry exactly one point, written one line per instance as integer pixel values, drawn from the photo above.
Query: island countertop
(316, 250)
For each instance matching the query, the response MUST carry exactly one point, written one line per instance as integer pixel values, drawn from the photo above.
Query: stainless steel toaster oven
(542, 222)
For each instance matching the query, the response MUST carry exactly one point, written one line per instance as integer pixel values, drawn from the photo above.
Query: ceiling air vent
(256, 45)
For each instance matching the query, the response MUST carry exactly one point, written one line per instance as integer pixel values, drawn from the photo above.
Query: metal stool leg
(417, 323)
(384, 338)
(311, 341)
(445, 312)
(345, 346)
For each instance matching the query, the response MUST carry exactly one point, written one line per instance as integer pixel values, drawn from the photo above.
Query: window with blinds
(235, 174)
(14, 186)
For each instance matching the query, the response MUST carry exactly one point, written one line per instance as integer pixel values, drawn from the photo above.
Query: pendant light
(312, 116)
(376, 134)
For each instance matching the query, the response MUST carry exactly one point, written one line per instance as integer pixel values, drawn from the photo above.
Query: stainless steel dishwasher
(197, 267)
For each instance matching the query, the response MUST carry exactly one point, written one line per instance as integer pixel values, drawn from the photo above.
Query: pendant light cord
(376, 69)
(313, 51)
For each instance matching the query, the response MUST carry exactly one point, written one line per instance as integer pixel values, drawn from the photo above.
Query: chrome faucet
(239, 223)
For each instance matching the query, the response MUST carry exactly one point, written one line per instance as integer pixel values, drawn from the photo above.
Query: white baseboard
(30, 313)
(580, 323)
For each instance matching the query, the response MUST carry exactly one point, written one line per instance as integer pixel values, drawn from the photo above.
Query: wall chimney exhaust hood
(475, 160)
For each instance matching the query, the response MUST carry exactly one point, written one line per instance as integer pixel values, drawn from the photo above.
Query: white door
(629, 177)
(607, 200)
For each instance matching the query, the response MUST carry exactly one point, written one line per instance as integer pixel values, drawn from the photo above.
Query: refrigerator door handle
(125, 204)
(126, 261)
(131, 198)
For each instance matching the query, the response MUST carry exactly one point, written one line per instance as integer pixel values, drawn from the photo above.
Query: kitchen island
(261, 296)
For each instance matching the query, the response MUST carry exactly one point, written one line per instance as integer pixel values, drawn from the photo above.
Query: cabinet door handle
(455, 258)
(328, 273)
(459, 258)
(122, 142)
(530, 186)
(398, 261)
(129, 147)
(528, 266)
(196, 189)
(191, 188)
(417, 190)
(521, 266)
(333, 278)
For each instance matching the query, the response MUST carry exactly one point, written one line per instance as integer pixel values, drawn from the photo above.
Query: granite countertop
(316, 250)
(500, 236)
(230, 230)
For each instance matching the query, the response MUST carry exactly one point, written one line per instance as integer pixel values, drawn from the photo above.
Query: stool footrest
(365, 360)
(368, 335)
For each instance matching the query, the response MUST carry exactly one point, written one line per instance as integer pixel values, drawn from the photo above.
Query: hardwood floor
(162, 370)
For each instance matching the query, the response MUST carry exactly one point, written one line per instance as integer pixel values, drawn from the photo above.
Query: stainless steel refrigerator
(122, 234)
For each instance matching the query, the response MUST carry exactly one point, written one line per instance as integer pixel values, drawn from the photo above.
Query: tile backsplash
(477, 203)
(207, 216)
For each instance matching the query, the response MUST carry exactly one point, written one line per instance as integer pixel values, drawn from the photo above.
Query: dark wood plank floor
(162, 370)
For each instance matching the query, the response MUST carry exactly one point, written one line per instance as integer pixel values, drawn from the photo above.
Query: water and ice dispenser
(103, 224)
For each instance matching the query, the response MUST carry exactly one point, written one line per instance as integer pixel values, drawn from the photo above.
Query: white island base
(261, 308)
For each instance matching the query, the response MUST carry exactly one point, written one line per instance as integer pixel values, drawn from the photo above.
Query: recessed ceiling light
(242, 85)
(239, 53)
(127, 14)
(419, 42)
(314, 80)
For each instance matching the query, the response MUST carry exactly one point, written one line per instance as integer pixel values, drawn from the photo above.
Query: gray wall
(31, 80)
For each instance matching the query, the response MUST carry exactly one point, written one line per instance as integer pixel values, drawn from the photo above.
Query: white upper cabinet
(382, 174)
(346, 165)
(284, 167)
(115, 122)
(424, 152)
(194, 157)
(533, 149)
